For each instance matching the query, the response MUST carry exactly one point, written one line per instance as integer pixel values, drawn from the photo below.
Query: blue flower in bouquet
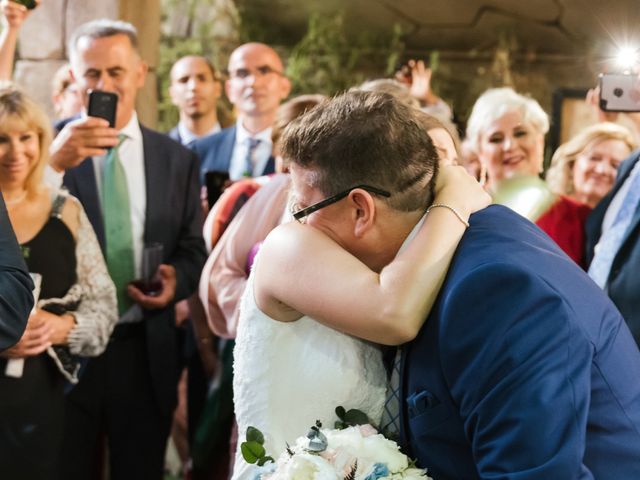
(380, 470)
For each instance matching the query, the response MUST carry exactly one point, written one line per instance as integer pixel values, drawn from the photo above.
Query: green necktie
(117, 225)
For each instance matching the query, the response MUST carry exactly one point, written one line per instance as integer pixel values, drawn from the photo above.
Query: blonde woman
(77, 308)
(586, 166)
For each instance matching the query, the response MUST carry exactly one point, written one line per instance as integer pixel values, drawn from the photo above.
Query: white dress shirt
(187, 136)
(260, 155)
(616, 201)
(131, 155)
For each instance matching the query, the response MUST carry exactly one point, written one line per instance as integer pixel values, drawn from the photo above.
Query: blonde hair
(19, 110)
(560, 174)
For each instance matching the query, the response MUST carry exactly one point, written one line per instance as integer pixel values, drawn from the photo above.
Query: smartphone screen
(103, 105)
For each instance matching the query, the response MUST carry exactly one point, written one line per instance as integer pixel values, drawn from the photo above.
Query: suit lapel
(635, 220)
(270, 167)
(157, 177)
(226, 147)
(88, 194)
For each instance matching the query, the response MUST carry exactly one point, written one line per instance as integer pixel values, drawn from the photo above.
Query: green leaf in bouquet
(356, 417)
(340, 425)
(263, 460)
(340, 411)
(254, 435)
(252, 451)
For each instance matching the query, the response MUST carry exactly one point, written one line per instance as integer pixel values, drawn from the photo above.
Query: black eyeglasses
(300, 214)
(261, 71)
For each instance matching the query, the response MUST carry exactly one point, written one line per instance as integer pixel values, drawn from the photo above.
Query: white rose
(379, 449)
(306, 466)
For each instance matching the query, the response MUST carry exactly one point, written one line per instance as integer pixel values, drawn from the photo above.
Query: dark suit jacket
(16, 297)
(173, 218)
(524, 369)
(624, 277)
(215, 152)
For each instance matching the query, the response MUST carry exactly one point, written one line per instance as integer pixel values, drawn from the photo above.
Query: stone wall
(42, 45)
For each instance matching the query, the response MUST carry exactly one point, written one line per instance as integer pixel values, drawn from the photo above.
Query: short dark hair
(103, 28)
(365, 138)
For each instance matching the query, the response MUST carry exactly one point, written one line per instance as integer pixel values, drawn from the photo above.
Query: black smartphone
(30, 4)
(215, 181)
(103, 105)
(619, 92)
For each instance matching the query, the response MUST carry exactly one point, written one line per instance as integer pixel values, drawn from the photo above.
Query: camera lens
(618, 92)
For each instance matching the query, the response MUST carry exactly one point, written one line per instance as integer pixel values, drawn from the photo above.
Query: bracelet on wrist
(448, 207)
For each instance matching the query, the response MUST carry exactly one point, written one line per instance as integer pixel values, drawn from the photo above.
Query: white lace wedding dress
(288, 375)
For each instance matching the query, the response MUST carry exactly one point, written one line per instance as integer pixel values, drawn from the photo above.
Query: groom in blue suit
(256, 86)
(524, 369)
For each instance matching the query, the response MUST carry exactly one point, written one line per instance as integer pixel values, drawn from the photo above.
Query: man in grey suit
(138, 188)
(194, 90)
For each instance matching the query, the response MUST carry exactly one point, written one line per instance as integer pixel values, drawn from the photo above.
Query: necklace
(15, 201)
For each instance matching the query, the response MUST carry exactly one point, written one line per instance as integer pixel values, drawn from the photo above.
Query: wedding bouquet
(353, 453)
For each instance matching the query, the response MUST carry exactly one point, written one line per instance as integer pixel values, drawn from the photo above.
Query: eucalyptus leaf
(252, 451)
(340, 411)
(356, 417)
(254, 435)
(264, 460)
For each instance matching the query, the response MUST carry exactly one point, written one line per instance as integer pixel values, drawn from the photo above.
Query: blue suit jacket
(215, 151)
(624, 277)
(173, 218)
(16, 299)
(524, 369)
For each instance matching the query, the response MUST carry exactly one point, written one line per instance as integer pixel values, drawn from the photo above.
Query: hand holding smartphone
(619, 92)
(103, 105)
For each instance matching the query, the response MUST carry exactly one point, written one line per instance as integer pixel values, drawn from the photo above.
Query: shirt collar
(242, 134)
(187, 136)
(132, 128)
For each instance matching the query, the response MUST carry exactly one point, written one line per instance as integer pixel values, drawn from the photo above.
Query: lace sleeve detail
(97, 313)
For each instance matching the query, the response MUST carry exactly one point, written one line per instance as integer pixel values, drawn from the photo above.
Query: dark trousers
(115, 399)
(31, 419)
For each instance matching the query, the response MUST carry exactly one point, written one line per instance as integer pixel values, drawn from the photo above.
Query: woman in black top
(76, 310)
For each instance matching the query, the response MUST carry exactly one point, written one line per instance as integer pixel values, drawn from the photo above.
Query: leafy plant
(350, 418)
(329, 60)
(253, 448)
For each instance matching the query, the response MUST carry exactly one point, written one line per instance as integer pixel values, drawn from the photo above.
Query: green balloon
(527, 195)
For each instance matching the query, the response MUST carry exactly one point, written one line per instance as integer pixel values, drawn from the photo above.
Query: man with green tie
(138, 188)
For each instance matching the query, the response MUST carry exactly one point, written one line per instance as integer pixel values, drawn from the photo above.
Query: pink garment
(223, 278)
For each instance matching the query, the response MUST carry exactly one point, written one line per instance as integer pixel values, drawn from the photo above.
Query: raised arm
(13, 15)
(310, 274)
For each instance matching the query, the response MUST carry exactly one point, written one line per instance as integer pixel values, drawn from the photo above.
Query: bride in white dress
(288, 371)
(297, 356)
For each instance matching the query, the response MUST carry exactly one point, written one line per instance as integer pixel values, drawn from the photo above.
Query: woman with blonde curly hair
(585, 167)
(76, 311)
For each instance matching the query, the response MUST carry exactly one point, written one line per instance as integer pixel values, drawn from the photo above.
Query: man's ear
(364, 212)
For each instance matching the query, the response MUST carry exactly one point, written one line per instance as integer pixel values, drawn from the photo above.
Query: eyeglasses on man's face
(261, 71)
(300, 215)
